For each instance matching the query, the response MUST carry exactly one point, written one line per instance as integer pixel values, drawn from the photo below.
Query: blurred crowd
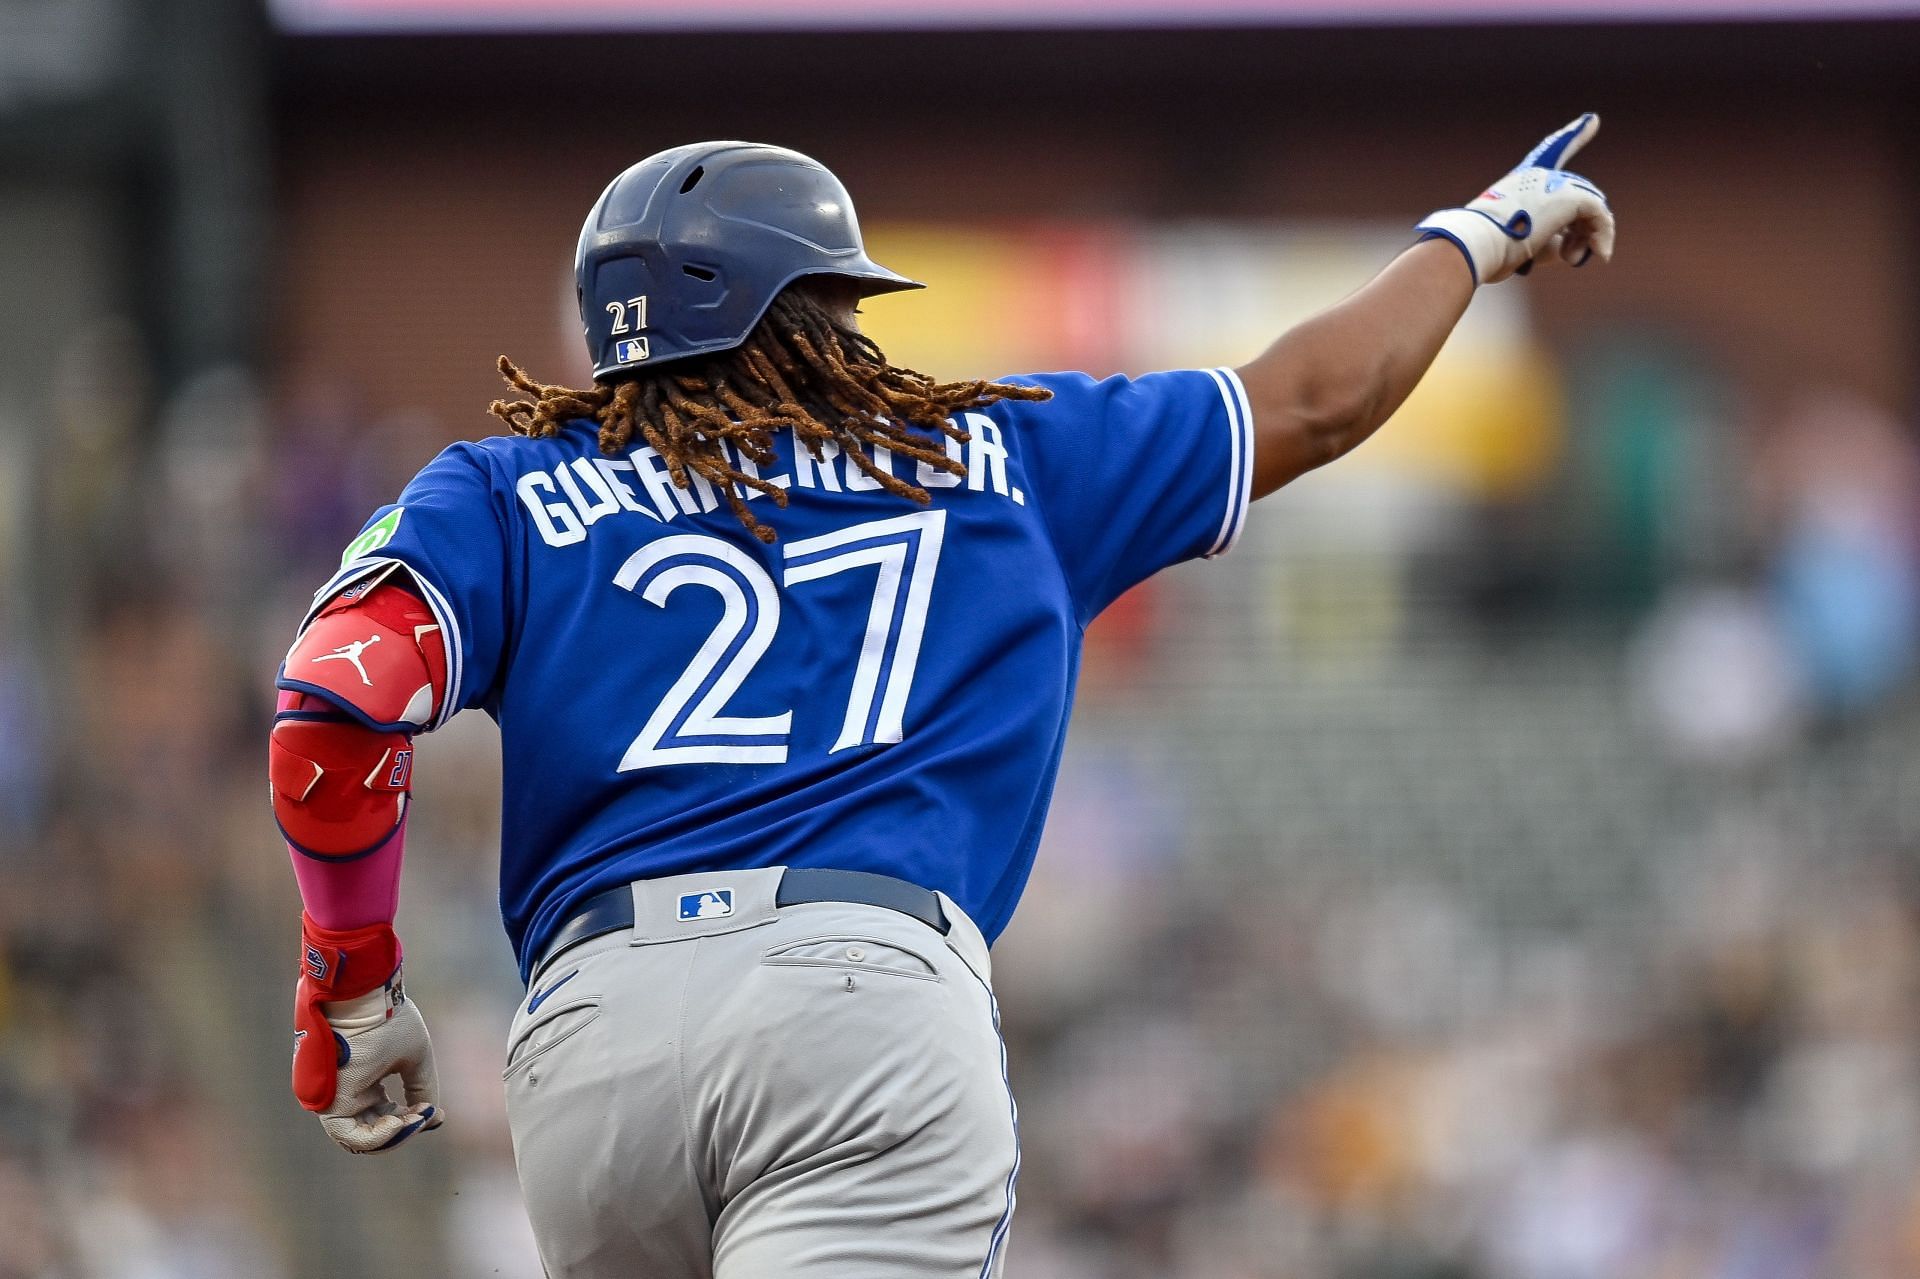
(1255, 1030)
(1377, 1080)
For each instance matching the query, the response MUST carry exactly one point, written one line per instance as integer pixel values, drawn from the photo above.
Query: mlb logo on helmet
(630, 350)
(715, 903)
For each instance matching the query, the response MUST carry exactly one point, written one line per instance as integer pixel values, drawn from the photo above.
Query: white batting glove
(1539, 210)
(378, 1035)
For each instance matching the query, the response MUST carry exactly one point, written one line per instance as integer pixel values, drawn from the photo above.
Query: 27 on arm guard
(367, 672)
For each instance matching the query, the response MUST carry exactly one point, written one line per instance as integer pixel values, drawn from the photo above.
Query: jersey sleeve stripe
(357, 571)
(1239, 458)
(1233, 463)
(450, 633)
(1245, 479)
(379, 566)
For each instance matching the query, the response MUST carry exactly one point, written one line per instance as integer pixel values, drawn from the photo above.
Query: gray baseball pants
(814, 1091)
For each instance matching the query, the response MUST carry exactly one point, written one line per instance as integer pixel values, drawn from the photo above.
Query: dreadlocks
(801, 368)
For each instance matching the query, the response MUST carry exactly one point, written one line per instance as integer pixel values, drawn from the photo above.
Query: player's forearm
(352, 891)
(351, 894)
(1330, 382)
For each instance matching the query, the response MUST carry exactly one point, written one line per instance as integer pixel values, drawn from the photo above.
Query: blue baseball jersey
(885, 688)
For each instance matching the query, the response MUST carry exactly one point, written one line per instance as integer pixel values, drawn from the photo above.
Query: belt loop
(965, 940)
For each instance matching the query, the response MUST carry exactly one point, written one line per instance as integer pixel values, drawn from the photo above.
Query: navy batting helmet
(684, 252)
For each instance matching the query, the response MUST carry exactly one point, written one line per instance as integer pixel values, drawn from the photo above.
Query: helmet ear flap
(622, 309)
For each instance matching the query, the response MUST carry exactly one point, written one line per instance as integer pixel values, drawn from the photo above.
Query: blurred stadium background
(1506, 865)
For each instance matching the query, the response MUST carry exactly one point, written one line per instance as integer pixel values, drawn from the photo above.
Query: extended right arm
(1330, 382)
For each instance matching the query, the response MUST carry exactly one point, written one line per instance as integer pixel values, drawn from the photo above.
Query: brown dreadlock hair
(802, 368)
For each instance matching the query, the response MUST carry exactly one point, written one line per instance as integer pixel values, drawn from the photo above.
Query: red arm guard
(376, 653)
(368, 671)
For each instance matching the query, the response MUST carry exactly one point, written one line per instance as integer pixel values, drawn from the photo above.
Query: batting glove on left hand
(348, 1039)
(1538, 210)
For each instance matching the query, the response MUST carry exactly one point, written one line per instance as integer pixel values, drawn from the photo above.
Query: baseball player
(781, 639)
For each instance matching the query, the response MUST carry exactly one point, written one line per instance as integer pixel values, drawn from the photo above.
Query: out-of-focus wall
(424, 231)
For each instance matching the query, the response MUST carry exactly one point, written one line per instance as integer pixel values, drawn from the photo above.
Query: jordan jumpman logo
(351, 653)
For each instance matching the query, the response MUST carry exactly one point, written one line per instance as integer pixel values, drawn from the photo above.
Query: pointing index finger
(1562, 145)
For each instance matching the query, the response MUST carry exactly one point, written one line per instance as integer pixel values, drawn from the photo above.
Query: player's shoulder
(517, 451)
(1067, 384)
(1077, 396)
(504, 457)
(1069, 395)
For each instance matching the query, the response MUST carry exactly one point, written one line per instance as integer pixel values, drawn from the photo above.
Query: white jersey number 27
(689, 727)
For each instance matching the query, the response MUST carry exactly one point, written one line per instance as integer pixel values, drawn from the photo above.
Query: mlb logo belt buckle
(712, 903)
